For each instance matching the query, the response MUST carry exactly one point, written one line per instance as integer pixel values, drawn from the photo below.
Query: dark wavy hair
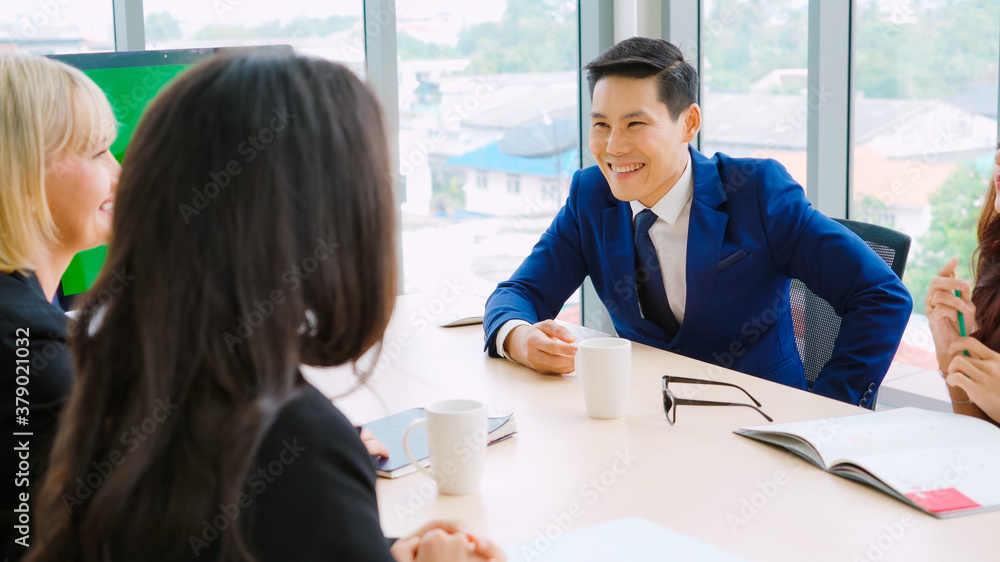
(986, 270)
(254, 232)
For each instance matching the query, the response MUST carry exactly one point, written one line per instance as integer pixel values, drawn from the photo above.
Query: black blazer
(310, 495)
(28, 322)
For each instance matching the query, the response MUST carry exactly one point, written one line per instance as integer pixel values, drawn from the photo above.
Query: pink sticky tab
(940, 501)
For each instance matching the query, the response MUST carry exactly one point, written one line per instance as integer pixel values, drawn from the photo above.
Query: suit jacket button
(674, 348)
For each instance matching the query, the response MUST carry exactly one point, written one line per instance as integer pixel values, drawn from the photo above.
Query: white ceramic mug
(604, 366)
(456, 440)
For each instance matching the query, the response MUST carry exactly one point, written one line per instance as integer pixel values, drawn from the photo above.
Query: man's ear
(692, 122)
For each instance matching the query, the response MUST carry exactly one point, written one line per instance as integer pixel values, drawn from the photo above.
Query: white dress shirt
(669, 235)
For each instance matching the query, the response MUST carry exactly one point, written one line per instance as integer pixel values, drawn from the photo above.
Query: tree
(162, 26)
(955, 210)
(872, 210)
(927, 52)
(224, 32)
(532, 36)
(912, 50)
(744, 40)
(297, 27)
(411, 48)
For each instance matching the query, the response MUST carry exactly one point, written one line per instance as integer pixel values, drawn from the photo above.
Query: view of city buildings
(488, 109)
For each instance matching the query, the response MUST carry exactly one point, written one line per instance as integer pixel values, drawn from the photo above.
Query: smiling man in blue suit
(694, 254)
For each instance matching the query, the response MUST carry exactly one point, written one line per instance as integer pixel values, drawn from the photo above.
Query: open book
(389, 430)
(942, 464)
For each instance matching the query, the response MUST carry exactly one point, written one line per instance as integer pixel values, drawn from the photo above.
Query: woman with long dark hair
(973, 379)
(256, 223)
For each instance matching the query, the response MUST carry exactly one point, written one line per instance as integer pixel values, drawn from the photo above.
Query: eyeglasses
(671, 401)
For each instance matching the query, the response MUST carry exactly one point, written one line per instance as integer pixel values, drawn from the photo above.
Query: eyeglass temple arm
(688, 402)
(685, 380)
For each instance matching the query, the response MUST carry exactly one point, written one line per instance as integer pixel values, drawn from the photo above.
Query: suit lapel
(706, 230)
(616, 225)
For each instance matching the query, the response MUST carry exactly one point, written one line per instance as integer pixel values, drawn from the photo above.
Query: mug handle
(406, 447)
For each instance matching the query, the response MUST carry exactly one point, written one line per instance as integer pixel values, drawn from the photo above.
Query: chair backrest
(816, 323)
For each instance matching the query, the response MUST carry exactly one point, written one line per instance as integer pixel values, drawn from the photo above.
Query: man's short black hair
(642, 57)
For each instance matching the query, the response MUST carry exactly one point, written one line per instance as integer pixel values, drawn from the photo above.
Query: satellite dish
(541, 138)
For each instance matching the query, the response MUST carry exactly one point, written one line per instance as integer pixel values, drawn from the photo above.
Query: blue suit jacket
(751, 230)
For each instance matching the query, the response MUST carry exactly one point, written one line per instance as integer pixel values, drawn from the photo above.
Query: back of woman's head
(254, 231)
(46, 107)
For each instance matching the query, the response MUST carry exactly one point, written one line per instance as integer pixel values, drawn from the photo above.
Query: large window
(488, 117)
(925, 127)
(331, 29)
(755, 95)
(46, 27)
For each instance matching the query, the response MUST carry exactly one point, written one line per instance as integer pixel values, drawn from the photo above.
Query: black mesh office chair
(816, 324)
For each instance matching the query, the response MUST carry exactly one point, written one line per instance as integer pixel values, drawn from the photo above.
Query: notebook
(389, 430)
(940, 463)
(631, 539)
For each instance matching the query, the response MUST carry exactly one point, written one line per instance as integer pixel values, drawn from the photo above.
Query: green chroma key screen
(130, 80)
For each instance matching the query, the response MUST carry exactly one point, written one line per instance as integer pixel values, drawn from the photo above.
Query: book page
(941, 480)
(902, 429)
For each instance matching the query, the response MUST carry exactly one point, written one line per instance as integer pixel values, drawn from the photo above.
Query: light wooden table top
(565, 471)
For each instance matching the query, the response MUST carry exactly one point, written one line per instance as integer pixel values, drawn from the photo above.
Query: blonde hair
(46, 108)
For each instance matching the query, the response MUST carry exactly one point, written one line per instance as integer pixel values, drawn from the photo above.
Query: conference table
(564, 471)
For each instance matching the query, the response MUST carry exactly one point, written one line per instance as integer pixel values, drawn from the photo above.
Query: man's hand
(545, 347)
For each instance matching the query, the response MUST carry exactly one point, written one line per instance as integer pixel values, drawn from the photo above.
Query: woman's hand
(942, 311)
(374, 446)
(445, 541)
(978, 375)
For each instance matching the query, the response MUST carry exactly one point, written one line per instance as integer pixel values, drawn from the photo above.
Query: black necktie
(648, 279)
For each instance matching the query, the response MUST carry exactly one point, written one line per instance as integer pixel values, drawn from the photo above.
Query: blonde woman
(57, 184)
